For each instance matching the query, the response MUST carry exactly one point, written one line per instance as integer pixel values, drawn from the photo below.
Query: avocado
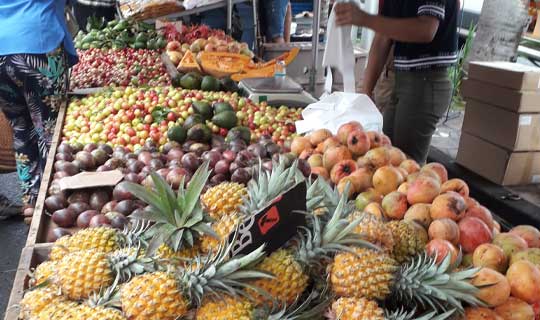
(210, 83)
(199, 133)
(175, 81)
(177, 134)
(190, 81)
(222, 106)
(193, 120)
(239, 133)
(202, 108)
(225, 119)
(228, 84)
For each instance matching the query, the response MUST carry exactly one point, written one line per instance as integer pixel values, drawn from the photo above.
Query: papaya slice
(189, 63)
(223, 64)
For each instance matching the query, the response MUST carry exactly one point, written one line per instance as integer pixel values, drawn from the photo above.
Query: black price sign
(274, 225)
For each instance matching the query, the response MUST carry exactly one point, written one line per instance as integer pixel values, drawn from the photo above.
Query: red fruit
(472, 233)
(530, 234)
(441, 248)
(342, 169)
(346, 128)
(171, 116)
(358, 142)
(223, 132)
(481, 213)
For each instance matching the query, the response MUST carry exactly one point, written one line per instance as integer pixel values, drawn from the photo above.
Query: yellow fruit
(181, 257)
(84, 312)
(82, 273)
(103, 239)
(410, 239)
(223, 228)
(373, 230)
(44, 272)
(365, 274)
(223, 199)
(226, 308)
(56, 311)
(290, 279)
(153, 296)
(35, 301)
(356, 308)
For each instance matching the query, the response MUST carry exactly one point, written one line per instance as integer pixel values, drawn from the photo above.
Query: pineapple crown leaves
(178, 218)
(402, 314)
(321, 195)
(128, 263)
(323, 239)
(311, 307)
(266, 186)
(435, 286)
(107, 297)
(221, 274)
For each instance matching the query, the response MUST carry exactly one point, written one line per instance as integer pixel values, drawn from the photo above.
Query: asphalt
(13, 233)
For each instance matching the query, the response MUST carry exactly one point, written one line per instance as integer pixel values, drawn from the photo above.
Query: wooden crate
(30, 258)
(41, 221)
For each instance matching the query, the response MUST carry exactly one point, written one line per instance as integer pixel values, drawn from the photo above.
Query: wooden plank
(169, 66)
(37, 229)
(30, 258)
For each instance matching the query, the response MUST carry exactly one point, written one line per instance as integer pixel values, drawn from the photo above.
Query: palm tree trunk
(501, 25)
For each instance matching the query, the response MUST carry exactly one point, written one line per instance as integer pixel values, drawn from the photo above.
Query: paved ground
(12, 239)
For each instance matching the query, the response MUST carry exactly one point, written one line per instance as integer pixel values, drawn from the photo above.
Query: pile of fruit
(119, 34)
(446, 219)
(129, 117)
(234, 161)
(124, 67)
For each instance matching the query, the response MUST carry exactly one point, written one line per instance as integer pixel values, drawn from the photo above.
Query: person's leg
(274, 12)
(389, 112)
(245, 13)
(421, 104)
(40, 81)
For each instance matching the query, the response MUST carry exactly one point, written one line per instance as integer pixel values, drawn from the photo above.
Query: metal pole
(314, 45)
(256, 46)
(229, 16)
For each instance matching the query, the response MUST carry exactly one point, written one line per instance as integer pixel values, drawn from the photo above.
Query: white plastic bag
(338, 108)
(335, 109)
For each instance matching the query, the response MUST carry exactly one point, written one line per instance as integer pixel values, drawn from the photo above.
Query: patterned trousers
(32, 88)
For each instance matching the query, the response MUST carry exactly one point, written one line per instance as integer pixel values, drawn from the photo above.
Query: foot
(28, 213)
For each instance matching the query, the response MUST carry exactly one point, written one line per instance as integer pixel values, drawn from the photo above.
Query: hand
(349, 14)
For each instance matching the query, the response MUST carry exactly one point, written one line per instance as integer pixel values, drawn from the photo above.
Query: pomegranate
(456, 185)
(420, 213)
(494, 287)
(472, 233)
(441, 249)
(345, 129)
(448, 205)
(386, 179)
(490, 256)
(524, 279)
(358, 142)
(395, 205)
(530, 234)
(423, 189)
(515, 309)
(446, 229)
(342, 169)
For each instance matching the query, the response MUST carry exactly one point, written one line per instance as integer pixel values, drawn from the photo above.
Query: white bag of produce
(338, 108)
(335, 109)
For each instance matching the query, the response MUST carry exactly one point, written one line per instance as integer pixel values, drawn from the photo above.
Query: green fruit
(203, 108)
(228, 84)
(189, 81)
(199, 133)
(175, 81)
(532, 255)
(177, 134)
(139, 45)
(161, 43)
(225, 119)
(141, 37)
(193, 120)
(209, 83)
(222, 106)
(239, 133)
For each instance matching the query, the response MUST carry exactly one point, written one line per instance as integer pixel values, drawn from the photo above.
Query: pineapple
(223, 199)
(374, 230)
(103, 239)
(57, 311)
(38, 299)
(43, 273)
(375, 275)
(321, 198)
(263, 189)
(169, 295)
(409, 239)
(360, 308)
(82, 273)
(178, 219)
(180, 257)
(241, 308)
(351, 309)
(290, 267)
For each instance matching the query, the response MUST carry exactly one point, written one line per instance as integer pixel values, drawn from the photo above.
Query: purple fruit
(190, 161)
(241, 175)
(212, 157)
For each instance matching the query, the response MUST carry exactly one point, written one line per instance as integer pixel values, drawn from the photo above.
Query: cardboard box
(515, 101)
(497, 164)
(510, 130)
(504, 74)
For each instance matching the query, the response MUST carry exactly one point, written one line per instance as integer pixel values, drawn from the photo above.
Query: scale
(276, 91)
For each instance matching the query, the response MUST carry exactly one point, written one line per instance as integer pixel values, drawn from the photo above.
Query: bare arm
(378, 55)
(421, 29)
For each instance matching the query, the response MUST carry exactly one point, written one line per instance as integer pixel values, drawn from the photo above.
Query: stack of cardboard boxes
(500, 137)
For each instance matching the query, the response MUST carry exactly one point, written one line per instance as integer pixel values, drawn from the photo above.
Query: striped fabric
(435, 9)
(98, 3)
(403, 63)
